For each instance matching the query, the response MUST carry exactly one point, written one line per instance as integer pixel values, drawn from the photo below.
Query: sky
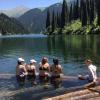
(9, 4)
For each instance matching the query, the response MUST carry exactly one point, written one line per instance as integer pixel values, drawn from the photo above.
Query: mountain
(10, 25)
(15, 12)
(34, 19)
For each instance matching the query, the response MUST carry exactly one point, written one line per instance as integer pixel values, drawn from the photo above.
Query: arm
(25, 71)
(48, 68)
(93, 72)
(17, 70)
(60, 69)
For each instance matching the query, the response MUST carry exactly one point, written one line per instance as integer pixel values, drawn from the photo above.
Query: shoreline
(75, 28)
(87, 94)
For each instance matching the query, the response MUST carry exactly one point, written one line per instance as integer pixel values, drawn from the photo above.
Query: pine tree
(74, 11)
(63, 14)
(97, 2)
(92, 16)
(48, 20)
(77, 9)
(67, 13)
(88, 9)
(83, 13)
(53, 21)
(71, 13)
(59, 20)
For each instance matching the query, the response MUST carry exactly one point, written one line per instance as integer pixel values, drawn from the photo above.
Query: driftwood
(86, 94)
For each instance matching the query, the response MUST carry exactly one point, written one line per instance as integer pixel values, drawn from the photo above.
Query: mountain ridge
(34, 19)
(15, 12)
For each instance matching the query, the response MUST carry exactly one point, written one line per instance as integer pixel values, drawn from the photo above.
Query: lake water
(71, 51)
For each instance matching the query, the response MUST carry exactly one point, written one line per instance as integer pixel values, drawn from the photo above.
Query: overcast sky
(9, 4)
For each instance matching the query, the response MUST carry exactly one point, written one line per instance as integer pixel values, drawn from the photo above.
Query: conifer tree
(48, 20)
(77, 8)
(59, 20)
(63, 14)
(70, 13)
(97, 2)
(92, 16)
(83, 12)
(88, 9)
(67, 13)
(53, 21)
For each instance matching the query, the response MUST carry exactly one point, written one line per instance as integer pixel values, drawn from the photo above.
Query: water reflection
(71, 50)
(75, 47)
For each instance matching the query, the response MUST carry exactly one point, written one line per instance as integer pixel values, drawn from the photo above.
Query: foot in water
(46, 85)
(34, 83)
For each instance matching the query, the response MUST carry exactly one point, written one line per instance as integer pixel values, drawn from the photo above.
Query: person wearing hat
(31, 69)
(44, 70)
(56, 71)
(92, 76)
(21, 71)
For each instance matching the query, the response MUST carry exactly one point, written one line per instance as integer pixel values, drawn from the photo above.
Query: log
(85, 94)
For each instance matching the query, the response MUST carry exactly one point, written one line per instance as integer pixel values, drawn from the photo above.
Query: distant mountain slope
(15, 12)
(34, 19)
(10, 25)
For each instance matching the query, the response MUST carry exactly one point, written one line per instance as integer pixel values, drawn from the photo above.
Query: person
(44, 70)
(92, 76)
(31, 70)
(21, 71)
(56, 71)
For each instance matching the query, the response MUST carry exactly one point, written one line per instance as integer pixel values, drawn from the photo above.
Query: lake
(71, 51)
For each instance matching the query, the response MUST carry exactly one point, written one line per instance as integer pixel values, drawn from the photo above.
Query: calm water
(70, 50)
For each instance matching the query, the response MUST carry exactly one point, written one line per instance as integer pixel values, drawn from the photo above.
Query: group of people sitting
(47, 73)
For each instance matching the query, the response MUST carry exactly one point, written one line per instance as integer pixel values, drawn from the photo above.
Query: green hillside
(10, 25)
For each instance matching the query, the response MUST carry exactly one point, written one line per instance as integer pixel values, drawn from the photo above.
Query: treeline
(87, 11)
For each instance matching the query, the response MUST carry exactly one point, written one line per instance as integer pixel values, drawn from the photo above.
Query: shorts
(20, 79)
(44, 78)
(31, 77)
(55, 78)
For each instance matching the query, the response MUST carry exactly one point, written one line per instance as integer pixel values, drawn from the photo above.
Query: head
(88, 62)
(32, 61)
(20, 61)
(44, 60)
(55, 61)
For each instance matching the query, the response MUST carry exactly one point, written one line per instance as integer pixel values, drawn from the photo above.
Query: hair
(88, 60)
(19, 63)
(55, 61)
(44, 60)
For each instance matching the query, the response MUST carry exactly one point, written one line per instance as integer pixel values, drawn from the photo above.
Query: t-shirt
(93, 73)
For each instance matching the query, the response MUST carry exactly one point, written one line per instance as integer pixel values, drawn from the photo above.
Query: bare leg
(82, 77)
